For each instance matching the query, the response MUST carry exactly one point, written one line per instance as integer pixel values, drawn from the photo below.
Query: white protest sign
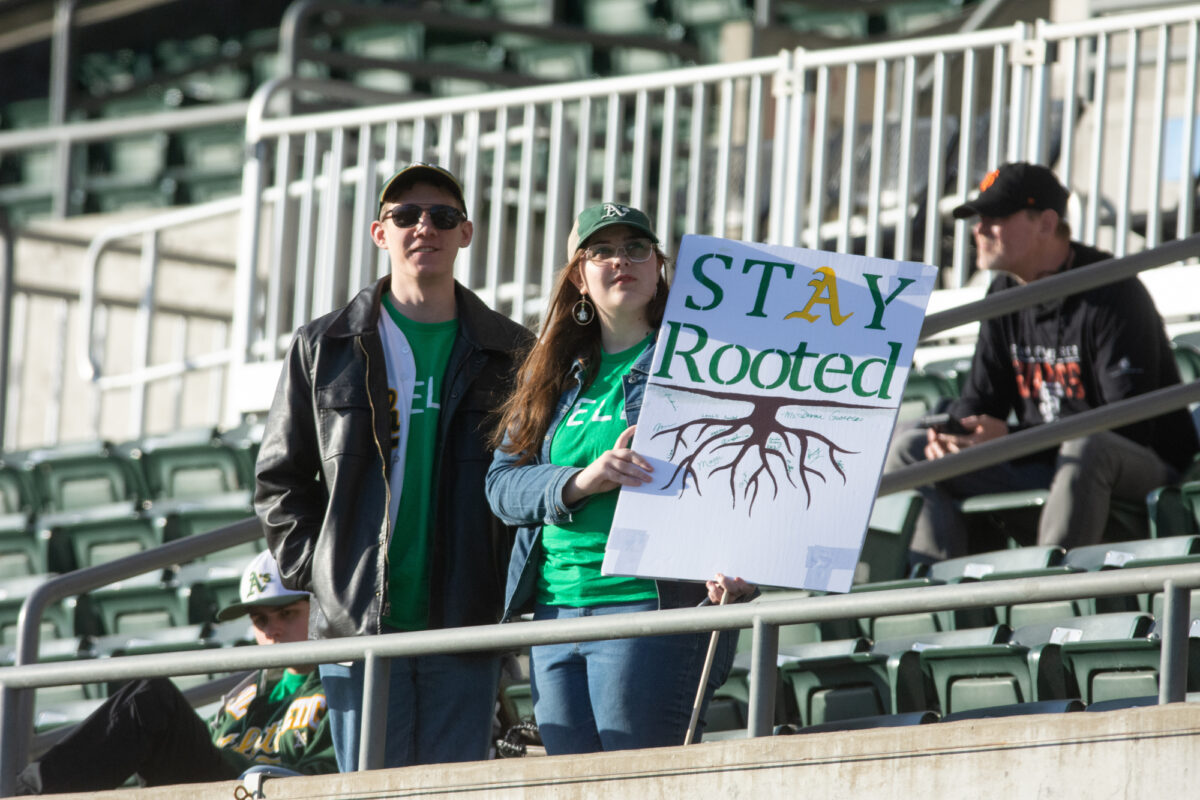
(777, 377)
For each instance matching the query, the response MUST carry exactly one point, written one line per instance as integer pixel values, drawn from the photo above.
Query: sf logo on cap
(258, 583)
(988, 180)
(613, 210)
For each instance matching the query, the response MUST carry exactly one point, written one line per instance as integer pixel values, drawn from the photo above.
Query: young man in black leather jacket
(371, 471)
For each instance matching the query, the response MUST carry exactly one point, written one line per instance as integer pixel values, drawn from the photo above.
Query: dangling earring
(583, 312)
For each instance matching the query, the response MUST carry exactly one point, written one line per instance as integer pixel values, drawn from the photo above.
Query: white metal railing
(137, 381)
(862, 149)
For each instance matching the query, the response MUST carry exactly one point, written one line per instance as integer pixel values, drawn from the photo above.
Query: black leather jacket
(322, 469)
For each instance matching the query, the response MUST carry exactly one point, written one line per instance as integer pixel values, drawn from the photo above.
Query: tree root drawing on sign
(759, 441)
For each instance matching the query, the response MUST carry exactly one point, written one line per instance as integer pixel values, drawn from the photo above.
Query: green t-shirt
(289, 682)
(574, 551)
(410, 548)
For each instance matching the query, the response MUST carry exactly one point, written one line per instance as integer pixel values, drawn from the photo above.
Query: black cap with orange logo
(1015, 187)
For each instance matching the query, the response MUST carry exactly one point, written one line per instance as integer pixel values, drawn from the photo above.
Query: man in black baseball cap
(1043, 363)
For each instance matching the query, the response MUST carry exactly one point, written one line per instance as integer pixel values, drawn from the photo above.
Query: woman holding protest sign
(562, 455)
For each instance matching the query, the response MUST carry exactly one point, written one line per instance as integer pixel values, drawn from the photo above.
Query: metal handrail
(100, 129)
(1061, 285)
(150, 228)
(7, 282)
(16, 707)
(763, 617)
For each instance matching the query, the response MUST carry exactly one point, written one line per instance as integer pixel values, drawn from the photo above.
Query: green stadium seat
(22, 550)
(66, 649)
(915, 16)
(1106, 656)
(141, 604)
(847, 23)
(725, 715)
(624, 60)
(33, 169)
(390, 41)
(707, 12)
(56, 711)
(558, 61)
(197, 465)
(1024, 669)
(952, 370)
(529, 12)
(1018, 561)
(1018, 709)
(235, 633)
(895, 626)
(245, 439)
(1187, 359)
(1016, 514)
(16, 488)
(177, 519)
(48, 699)
(1173, 510)
(516, 700)
(206, 162)
(170, 639)
(1022, 562)
(1136, 553)
(620, 16)
(178, 639)
(84, 475)
(134, 159)
(96, 535)
(479, 56)
(924, 392)
(1092, 658)
(836, 680)
(56, 622)
(889, 533)
(900, 720)
(841, 680)
(212, 586)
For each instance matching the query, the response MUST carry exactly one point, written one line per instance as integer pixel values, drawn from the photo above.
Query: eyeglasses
(444, 217)
(637, 251)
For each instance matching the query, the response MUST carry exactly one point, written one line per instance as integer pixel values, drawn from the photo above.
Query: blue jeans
(621, 693)
(439, 709)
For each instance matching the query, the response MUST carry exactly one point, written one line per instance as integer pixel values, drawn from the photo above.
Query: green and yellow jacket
(291, 731)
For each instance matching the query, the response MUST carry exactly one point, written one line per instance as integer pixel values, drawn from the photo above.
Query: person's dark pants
(146, 728)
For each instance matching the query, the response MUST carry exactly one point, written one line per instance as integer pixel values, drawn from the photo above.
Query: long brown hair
(546, 370)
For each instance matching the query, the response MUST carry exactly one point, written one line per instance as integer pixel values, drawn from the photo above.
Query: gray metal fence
(862, 149)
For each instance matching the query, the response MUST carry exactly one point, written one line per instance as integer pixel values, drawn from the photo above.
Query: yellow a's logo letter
(824, 292)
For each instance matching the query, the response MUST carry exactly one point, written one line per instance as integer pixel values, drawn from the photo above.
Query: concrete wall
(1140, 753)
(48, 270)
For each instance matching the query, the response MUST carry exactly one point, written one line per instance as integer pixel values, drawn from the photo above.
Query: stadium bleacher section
(66, 507)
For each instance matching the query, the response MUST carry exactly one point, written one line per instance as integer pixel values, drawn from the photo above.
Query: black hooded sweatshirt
(1059, 358)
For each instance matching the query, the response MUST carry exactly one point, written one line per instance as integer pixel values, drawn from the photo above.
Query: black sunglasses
(443, 217)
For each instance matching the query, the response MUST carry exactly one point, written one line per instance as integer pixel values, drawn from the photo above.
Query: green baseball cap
(602, 215)
(422, 172)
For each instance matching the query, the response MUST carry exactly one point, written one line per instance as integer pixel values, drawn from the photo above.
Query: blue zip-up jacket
(530, 496)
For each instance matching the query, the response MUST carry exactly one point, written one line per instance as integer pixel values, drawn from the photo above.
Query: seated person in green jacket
(147, 728)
